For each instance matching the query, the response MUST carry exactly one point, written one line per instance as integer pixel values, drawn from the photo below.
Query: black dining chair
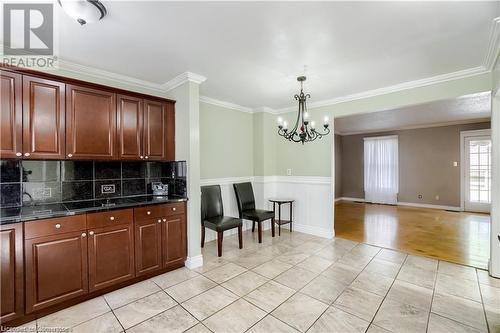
(212, 217)
(247, 211)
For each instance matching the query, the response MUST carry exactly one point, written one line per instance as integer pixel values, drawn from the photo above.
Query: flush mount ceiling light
(303, 130)
(84, 11)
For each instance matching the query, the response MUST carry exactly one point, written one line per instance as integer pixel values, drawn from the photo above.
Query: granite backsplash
(30, 182)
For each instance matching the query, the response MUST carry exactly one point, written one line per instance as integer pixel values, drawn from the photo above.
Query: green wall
(226, 142)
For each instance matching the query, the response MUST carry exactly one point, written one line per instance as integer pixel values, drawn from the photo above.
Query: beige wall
(426, 157)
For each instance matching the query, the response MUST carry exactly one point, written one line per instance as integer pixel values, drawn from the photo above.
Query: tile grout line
(383, 299)
(482, 303)
(432, 298)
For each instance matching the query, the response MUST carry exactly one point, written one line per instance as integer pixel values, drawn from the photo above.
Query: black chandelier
(303, 131)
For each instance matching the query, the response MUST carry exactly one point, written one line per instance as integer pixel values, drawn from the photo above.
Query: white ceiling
(458, 110)
(251, 52)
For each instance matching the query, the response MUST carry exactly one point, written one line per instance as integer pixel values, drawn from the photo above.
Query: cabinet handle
(146, 157)
(164, 220)
(159, 220)
(91, 233)
(148, 212)
(112, 218)
(19, 154)
(58, 226)
(70, 155)
(142, 157)
(27, 154)
(174, 208)
(84, 235)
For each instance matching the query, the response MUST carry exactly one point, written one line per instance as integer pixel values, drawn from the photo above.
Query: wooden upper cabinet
(11, 115)
(155, 130)
(11, 271)
(43, 118)
(111, 255)
(90, 123)
(130, 125)
(56, 269)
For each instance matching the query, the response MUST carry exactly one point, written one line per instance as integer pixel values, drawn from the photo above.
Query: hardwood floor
(458, 237)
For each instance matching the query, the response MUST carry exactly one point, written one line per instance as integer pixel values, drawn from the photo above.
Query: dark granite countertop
(28, 213)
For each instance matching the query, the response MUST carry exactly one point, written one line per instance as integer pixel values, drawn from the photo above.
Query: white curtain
(381, 169)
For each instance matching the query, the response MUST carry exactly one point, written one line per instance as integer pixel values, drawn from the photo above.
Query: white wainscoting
(313, 206)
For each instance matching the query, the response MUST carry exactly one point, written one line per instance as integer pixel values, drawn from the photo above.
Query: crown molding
(227, 105)
(79, 69)
(120, 79)
(394, 88)
(183, 78)
(493, 45)
(480, 70)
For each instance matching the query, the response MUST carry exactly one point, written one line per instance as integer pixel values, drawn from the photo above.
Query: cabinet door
(148, 246)
(90, 123)
(155, 130)
(111, 256)
(130, 124)
(43, 118)
(56, 269)
(11, 271)
(174, 239)
(11, 120)
(170, 132)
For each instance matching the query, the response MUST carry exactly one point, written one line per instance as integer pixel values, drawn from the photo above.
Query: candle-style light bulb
(280, 120)
(326, 120)
(313, 124)
(285, 125)
(306, 115)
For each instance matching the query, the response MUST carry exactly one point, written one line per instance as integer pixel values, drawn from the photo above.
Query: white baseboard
(419, 205)
(194, 262)
(351, 199)
(409, 204)
(311, 230)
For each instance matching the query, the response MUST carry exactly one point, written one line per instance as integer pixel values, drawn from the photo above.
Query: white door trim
(463, 135)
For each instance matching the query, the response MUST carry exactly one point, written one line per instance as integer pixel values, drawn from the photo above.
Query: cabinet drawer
(175, 208)
(149, 212)
(155, 211)
(55, 226)
(110, 218)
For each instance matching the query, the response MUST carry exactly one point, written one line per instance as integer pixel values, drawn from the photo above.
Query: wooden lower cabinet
(148, 246)
(160, 240)
(74, 258)
(174, 239)
(11, 271)
(56, 269)
(111, 256)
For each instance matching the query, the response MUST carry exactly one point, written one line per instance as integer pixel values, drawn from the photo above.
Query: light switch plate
(288, 172)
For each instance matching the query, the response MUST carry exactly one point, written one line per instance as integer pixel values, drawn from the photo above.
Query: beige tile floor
(297, 282)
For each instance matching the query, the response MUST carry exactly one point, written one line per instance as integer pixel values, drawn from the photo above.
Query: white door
(477, 178)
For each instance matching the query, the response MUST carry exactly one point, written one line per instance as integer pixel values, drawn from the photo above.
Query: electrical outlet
(437, 197)
(288, 172)
(420, 196)
(108, 189)
(455, 164)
